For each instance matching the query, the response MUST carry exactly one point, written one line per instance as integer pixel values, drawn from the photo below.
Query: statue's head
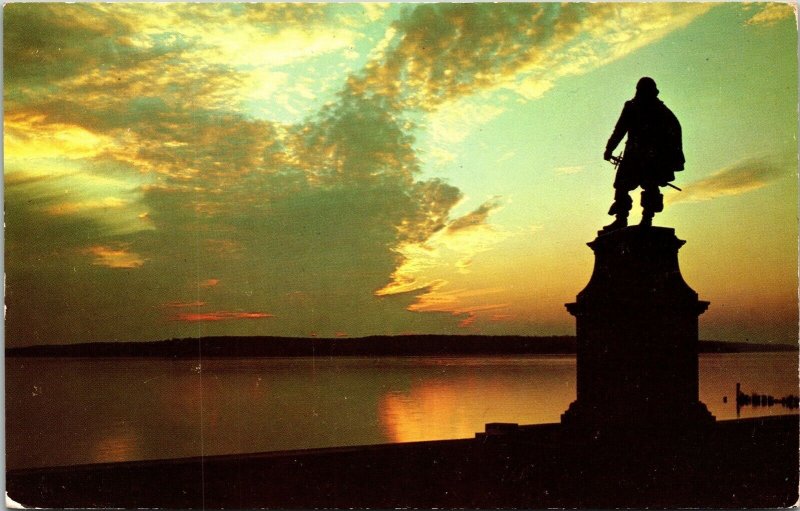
(646, 87)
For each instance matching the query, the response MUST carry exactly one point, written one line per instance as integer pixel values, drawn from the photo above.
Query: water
(73, 411)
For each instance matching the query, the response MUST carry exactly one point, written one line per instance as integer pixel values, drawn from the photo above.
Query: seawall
(742, 463)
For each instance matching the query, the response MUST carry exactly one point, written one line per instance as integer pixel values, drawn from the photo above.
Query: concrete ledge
(745, 463)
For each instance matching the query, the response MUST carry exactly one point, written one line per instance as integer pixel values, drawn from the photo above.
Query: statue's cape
(654, 134)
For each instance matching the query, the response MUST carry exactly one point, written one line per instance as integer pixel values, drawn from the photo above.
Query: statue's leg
(620, 208)
(652, 203)
(622, 203)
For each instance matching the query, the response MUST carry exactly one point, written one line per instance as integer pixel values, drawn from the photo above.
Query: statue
(653, 153)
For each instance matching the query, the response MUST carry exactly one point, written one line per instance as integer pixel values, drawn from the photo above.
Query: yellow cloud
(31, 136)
(247, 45)
(71, 208)
(375, 10)
(530, 87)
(448, 252)
(741, 177)
(439, 53)
(467, 303)
(235, 65)
(608, 33)
(772, 12)
(115, 257)
(457, 301)
(107, 197)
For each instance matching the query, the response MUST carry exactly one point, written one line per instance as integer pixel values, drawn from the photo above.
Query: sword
(616, 160)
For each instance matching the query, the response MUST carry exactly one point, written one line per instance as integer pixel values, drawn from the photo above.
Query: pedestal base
(650, 420)
(637, 338)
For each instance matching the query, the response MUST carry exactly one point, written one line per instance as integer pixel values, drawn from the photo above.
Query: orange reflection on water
(460, 406)
(120, 445)
(430, 411)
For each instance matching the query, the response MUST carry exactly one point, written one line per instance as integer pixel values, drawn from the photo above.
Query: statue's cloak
(654, 148)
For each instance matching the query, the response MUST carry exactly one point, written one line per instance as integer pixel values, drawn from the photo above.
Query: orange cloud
(192, 317)
(468, 321)
(501, 317)
(459, 303)
(209, 283)
(114, 257)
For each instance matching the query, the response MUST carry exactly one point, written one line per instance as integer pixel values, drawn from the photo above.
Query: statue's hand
(607, 155)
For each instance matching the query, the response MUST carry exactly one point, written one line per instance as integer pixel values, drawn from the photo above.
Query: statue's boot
(619, 223)
(620, 208)
(652, 203)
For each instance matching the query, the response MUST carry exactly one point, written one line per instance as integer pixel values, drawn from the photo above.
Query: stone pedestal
(637, 338)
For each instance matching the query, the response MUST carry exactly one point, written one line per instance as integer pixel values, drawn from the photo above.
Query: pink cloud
(468, 321)
(193, 317)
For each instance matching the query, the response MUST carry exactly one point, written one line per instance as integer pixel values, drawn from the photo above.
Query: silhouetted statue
(653, 153)
(636, 329)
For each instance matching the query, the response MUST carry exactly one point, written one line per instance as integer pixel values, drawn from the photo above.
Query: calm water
(72, 411)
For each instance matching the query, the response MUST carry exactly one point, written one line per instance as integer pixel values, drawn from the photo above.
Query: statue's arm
(619, 132)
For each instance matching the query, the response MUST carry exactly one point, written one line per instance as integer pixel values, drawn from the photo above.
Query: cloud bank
(155, 154)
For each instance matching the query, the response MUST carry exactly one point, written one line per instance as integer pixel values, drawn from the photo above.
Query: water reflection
(719, 374)
(119, 445)
(461, 400)
(755, 399)
(62, 412)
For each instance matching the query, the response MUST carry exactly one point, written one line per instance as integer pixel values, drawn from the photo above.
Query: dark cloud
(46, 42)
(232, 212)
(295, 224)
(444, 51)
(54, 292)
(360, 138)
(475, 218)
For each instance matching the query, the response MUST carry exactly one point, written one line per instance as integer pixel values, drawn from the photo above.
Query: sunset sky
(176, 170)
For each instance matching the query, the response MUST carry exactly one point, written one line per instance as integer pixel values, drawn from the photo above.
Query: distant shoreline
(374, 346)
